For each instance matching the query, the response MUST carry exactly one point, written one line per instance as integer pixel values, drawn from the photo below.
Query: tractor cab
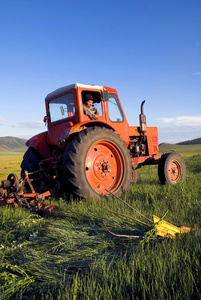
(65, 112)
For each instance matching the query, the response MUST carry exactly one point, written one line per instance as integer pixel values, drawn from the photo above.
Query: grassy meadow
(187, 150)
(10, 162)
(72, 256)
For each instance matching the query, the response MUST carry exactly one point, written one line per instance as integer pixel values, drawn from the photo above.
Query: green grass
(72, 256)
(10, 163)
(184, 150)
(11, 153)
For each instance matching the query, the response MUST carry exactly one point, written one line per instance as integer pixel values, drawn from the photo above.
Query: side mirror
(105, 95)
(45, 120)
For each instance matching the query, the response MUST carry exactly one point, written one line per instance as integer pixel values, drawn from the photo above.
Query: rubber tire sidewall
(73, 168)
(163, 167)
(30, 163)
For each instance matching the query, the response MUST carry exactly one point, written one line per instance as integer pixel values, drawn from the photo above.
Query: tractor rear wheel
(30, 163)
(171, 169)
(96, 160)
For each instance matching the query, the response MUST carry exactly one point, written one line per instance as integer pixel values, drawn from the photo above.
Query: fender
(39, 142)
(81, 126)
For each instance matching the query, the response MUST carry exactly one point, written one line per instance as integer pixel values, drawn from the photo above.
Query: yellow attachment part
(165, 229)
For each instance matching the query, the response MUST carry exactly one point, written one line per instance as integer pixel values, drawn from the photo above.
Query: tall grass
(72, 256)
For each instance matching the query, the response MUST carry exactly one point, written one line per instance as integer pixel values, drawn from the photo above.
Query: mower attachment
(11, 194)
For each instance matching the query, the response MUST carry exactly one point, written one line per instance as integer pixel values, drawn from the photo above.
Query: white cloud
(179, 129)
(183, 121)
(174, 134)
(29, 124)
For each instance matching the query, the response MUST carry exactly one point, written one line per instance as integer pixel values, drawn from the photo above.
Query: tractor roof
(73, 86)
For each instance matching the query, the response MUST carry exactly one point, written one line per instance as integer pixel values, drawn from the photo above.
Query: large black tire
(171, 169)
(30, 163)
(95, 160)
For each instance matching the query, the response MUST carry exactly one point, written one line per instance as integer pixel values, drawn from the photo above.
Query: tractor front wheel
(95, 161)
(171, 169)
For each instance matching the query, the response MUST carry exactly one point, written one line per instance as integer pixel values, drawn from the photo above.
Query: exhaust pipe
(143, 123)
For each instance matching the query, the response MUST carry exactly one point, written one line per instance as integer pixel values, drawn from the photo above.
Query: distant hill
(191, 142)
(9, 143)
(188, 147)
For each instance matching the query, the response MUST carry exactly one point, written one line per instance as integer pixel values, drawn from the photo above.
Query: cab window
(96, 102)
(62, 107)
(114, 109)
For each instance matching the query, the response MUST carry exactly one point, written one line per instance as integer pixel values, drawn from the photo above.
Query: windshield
(62, 107)
(114, 109)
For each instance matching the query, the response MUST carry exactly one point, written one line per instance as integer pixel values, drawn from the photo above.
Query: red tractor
(91, 152)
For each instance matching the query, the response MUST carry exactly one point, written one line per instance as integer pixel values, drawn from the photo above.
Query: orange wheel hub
(104, 167)
(174, 170)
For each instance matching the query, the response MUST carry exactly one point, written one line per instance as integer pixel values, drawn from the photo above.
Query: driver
(88, 102)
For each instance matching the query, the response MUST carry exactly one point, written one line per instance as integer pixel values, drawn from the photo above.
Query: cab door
(116, 118)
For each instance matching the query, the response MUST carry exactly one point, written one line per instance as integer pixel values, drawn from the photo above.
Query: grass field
(10, 163)
(187, 150)
(72, 256)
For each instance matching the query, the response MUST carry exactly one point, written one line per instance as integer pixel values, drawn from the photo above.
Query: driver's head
(89, 100)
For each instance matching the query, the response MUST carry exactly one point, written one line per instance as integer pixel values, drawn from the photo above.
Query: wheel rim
(104, 167)
(174, 171)
(14, 182)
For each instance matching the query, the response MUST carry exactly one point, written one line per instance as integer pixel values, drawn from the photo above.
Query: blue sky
(146, 49)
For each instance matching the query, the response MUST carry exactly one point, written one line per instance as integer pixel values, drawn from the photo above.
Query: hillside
(184, 148)
(191, 142)
(9, 143)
